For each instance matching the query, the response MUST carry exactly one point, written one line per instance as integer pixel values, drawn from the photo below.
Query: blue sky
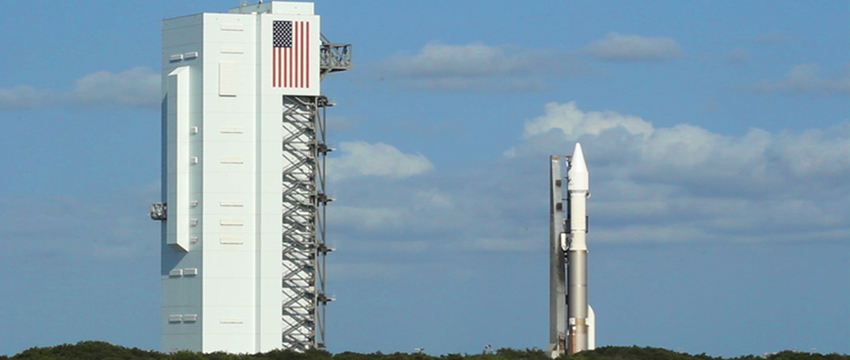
(717, 135)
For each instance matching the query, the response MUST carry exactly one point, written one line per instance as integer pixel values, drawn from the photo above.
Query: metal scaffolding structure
(304, 201)
(334, 57)
(304, 204)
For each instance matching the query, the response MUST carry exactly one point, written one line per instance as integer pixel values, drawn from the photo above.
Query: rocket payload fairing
(572, 325)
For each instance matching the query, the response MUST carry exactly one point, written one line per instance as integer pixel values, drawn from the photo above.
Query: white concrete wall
(229, 181)
(181, 294)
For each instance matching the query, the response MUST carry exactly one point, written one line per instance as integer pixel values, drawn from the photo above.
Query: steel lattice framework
(304, 203)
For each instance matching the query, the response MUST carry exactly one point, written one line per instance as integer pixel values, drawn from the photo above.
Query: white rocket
(572, 323)
(578, 184)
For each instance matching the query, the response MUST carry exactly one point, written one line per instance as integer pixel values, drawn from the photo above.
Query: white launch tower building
(243, 178)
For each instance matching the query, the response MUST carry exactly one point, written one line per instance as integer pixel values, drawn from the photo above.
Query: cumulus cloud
(738, 56)
(137, 87)
(109, 227)
(776, 38)
(25, 96)
(369, 218)
(432, 198)
(692, 148)
(573, 122)
(684, 182)
(679, 183)
(436, 58)
(360, 159)
(501, 244)
(805, 78)
(340, 123)
(630, 47)
(367, 270)
(478, 67)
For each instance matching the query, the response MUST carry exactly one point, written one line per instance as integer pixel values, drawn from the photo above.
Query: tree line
(99, 350)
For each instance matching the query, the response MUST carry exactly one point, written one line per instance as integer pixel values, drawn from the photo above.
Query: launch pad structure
(572, 322)
(243, 178)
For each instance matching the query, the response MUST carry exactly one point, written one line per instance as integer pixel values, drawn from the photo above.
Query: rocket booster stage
(571, 320)
(577, 187)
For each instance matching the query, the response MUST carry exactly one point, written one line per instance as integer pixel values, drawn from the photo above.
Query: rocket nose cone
(577, 163)
(579, 178)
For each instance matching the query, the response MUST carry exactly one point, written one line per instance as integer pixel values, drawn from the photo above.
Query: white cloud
(339, 123)
(25, 96)
(432, 198)
(694, 150)
(738, 56)
(503, 244)
(776, 38)
(436, 58)
(137, 87)
(459, 83)
(360, 158)
(111, 227)
(634, 47)
(805, 78)
(478, 67)
(573, 122)
(370, 270)
(685, 183)
(680, 183)
(368, 218)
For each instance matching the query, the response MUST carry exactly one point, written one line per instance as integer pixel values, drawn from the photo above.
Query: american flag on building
(291, 54)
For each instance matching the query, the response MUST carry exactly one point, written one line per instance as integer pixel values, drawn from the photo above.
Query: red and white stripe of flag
(291, 65)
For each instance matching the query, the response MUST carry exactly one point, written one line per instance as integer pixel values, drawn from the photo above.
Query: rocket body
(578, 185)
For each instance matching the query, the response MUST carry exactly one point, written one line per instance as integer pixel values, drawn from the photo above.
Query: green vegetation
(99, 350)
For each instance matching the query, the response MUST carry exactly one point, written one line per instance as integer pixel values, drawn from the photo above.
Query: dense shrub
(88, 350)
(99, 350)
